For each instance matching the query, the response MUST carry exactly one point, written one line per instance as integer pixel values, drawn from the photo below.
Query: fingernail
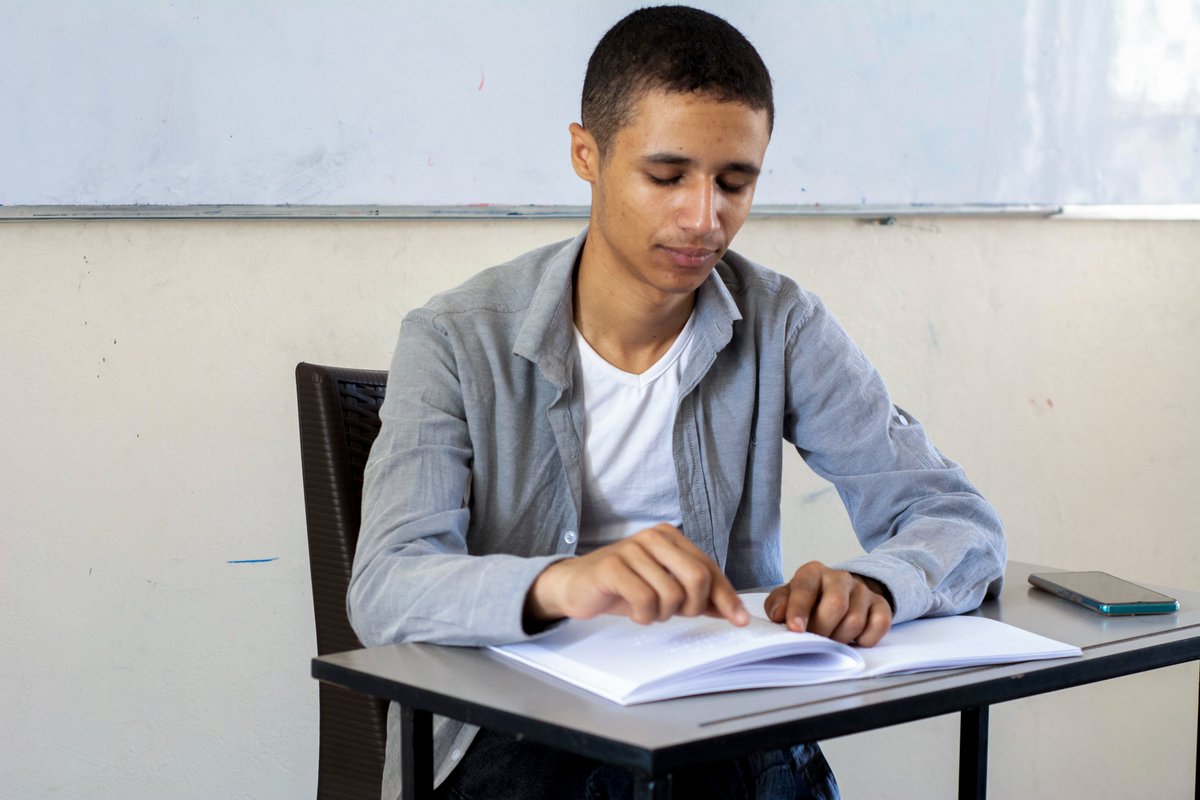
(800, 622)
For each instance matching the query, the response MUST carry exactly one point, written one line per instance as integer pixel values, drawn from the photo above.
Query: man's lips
(689, 256)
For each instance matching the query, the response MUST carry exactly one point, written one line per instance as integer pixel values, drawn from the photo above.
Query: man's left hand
(845, 607)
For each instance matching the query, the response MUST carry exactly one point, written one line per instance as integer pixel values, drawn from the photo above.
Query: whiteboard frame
(883, 213)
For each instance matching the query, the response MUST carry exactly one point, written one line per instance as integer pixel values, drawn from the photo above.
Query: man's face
(673, 190)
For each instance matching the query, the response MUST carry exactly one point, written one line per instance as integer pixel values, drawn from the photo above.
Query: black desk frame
(873, 703)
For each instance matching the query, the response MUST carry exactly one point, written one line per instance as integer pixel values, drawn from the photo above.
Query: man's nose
(699, 211)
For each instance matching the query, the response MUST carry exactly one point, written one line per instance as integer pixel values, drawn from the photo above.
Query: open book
(630, 663)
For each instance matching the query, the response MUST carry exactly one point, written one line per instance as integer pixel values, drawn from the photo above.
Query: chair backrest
(339, 419)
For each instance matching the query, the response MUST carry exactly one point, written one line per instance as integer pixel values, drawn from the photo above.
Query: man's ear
(585, 155)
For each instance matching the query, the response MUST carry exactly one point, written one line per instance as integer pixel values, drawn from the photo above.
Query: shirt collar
(546, 336)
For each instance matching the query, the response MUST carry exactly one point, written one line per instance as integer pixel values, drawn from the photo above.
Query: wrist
(878, 588)
(540, 609)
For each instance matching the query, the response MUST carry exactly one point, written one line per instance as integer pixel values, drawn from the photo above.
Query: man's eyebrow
(674, 160)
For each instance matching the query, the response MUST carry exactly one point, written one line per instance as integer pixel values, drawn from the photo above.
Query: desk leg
(648, 789)
(416, 753)
(972, 753)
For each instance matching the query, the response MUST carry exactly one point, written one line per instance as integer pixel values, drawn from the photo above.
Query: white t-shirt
(629, 480)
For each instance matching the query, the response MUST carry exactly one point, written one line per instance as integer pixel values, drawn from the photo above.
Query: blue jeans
(500, 767)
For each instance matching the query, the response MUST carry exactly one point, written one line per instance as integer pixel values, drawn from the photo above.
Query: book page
(946, 643)
(630, 663)
(614, 656)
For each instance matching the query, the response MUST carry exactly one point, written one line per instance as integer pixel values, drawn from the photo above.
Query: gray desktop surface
(654, 738)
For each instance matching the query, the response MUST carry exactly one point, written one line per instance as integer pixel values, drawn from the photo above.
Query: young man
(597, 426)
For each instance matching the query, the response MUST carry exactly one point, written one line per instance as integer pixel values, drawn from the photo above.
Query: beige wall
(148, 421)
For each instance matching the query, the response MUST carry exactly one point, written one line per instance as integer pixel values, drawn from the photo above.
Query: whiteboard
(457, 103)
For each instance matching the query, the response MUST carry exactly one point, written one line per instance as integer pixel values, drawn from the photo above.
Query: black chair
(339, 419)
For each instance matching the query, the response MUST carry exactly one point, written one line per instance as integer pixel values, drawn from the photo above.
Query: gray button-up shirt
(474, 484)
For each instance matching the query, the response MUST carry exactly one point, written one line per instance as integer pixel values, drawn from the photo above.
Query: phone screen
(1104, 588)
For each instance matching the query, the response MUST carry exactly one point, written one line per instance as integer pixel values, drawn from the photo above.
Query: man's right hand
(650, 576)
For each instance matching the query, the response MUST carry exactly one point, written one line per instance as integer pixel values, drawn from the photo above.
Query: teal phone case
(1167, 606)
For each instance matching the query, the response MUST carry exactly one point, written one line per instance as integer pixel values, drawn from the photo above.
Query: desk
(654, 739)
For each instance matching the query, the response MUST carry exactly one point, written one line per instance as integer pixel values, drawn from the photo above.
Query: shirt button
(456, 755)
(570, 537)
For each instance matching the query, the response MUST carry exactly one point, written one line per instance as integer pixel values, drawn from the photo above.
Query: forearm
(942, 558)
(412, 594)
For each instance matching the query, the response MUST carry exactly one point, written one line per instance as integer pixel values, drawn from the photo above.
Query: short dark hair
(671, 48)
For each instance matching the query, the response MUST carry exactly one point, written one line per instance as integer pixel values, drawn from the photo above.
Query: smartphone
(1104, 593)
